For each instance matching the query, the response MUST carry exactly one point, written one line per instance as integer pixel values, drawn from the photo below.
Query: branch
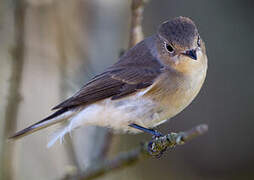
(14, 98)
(136, 34)
(156, 147)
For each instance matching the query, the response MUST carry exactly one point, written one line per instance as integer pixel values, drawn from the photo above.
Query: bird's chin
(180, 60)
(187, 65)
(177, 59)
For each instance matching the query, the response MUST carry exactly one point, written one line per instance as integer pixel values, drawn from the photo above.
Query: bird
(151, 83)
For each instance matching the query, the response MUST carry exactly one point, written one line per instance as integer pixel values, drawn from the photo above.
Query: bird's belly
(118, 114)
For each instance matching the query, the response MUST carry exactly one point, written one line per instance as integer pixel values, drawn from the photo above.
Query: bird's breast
(175, 92)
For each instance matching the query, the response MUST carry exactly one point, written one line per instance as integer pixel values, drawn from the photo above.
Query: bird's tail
(54, 118)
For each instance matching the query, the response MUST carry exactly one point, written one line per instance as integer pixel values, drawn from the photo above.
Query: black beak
(192, 54)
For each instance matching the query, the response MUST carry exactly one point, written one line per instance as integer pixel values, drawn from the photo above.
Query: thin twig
(148, 149)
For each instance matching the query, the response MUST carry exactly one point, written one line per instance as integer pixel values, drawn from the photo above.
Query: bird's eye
(169, 48)
(198, 42)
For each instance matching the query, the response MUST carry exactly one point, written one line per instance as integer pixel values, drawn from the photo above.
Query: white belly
(118, 114)
(114, 114)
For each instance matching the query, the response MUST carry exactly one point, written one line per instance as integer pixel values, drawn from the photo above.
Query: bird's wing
(131, 73)
(115, 84)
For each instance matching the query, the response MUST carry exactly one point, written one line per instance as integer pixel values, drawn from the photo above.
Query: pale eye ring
(169, 48)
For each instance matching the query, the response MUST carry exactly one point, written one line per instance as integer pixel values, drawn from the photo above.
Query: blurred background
(50, 48)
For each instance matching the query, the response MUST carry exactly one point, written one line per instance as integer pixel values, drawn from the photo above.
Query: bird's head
(179, 44)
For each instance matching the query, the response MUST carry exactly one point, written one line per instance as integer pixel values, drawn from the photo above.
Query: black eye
(169, 48)
(198, 41)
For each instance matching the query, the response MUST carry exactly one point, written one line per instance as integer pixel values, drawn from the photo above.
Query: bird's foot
(155, 147)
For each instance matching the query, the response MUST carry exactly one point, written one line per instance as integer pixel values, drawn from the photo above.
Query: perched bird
(151, 83)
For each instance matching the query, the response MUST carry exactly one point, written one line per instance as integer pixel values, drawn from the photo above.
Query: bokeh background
(50, 48)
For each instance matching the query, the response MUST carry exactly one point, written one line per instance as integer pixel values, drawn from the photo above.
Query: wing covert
(132, 72)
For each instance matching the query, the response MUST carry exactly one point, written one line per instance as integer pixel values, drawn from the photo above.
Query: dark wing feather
(134, 71)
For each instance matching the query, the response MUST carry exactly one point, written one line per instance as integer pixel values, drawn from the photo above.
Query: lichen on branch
(154, 148)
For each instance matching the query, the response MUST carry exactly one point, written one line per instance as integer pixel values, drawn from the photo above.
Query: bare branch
(18, 8)
(149, 149)
(136, 33)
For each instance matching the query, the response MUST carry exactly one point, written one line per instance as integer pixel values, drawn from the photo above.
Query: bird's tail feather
(54, 118)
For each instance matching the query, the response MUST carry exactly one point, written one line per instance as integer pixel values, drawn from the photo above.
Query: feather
(56, 117)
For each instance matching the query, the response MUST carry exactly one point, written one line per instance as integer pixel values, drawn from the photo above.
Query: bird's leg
(146, 130)
(152, 148)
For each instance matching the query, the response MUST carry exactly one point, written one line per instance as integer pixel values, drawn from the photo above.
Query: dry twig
(136, 33)
(153, 148)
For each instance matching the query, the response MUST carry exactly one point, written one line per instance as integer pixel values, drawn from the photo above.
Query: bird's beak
(191, 53)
